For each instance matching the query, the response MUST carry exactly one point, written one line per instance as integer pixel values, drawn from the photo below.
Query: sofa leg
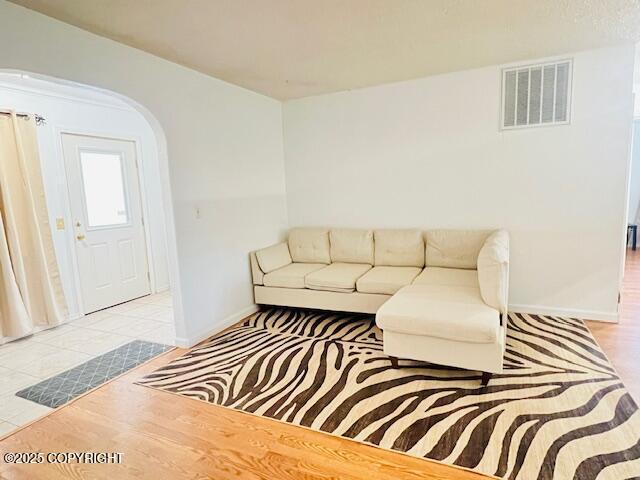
(486, 376)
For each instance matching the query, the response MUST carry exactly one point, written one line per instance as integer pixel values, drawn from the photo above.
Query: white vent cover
(536, 95)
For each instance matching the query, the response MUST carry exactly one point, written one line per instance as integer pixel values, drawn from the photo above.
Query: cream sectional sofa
(439, 296)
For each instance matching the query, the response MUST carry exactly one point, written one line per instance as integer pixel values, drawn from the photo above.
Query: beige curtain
(31, 296)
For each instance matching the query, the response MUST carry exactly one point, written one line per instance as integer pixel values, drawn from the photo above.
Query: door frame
(68, 217)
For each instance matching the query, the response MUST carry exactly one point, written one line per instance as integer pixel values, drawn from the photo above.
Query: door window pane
(104, 193)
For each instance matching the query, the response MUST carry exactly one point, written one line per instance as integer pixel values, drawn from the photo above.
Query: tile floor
(30, 360)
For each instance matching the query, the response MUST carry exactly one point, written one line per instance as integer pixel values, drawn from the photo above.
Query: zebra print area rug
(559, 410)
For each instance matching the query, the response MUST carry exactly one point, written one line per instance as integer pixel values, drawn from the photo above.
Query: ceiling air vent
(536, 95)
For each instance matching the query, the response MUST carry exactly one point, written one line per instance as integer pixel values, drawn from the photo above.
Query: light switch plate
(60, 223)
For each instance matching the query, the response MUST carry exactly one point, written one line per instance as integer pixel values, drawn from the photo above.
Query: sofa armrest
(493, 271)
(256, 273)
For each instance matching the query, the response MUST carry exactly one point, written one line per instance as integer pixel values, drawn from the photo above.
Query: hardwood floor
(621, 341)
(166, 436)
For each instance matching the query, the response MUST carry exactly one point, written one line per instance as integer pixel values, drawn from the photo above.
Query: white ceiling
(296, 48)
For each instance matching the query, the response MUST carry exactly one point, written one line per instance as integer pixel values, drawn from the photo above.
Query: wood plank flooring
(164, 436)
(621, 341)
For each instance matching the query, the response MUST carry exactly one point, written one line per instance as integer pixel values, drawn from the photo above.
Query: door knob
(80, 237)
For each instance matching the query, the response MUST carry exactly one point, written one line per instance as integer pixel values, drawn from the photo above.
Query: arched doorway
(83, 113)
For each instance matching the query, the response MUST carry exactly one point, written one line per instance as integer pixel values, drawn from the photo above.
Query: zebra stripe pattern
(558, 410)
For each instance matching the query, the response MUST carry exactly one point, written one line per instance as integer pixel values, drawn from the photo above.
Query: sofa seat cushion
(450, 312)
(453, 277)
(337, 277)
(386, 280)
(291, 276)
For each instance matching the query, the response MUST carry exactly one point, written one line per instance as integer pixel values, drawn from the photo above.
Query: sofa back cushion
(273, 257)
(349, 245)
(309, 245)
(398, 248)
(454, 248)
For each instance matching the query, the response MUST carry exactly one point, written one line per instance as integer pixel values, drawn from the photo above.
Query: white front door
(109, 235)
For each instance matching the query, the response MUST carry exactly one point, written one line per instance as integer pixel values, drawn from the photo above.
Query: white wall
(224, 150)
(72, 110)
(424, 153)
(429, 153)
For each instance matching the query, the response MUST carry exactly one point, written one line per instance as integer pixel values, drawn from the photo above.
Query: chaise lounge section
(439, 296)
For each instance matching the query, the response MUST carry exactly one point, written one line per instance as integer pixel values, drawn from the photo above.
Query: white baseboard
(566, 312)
(225, 323)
